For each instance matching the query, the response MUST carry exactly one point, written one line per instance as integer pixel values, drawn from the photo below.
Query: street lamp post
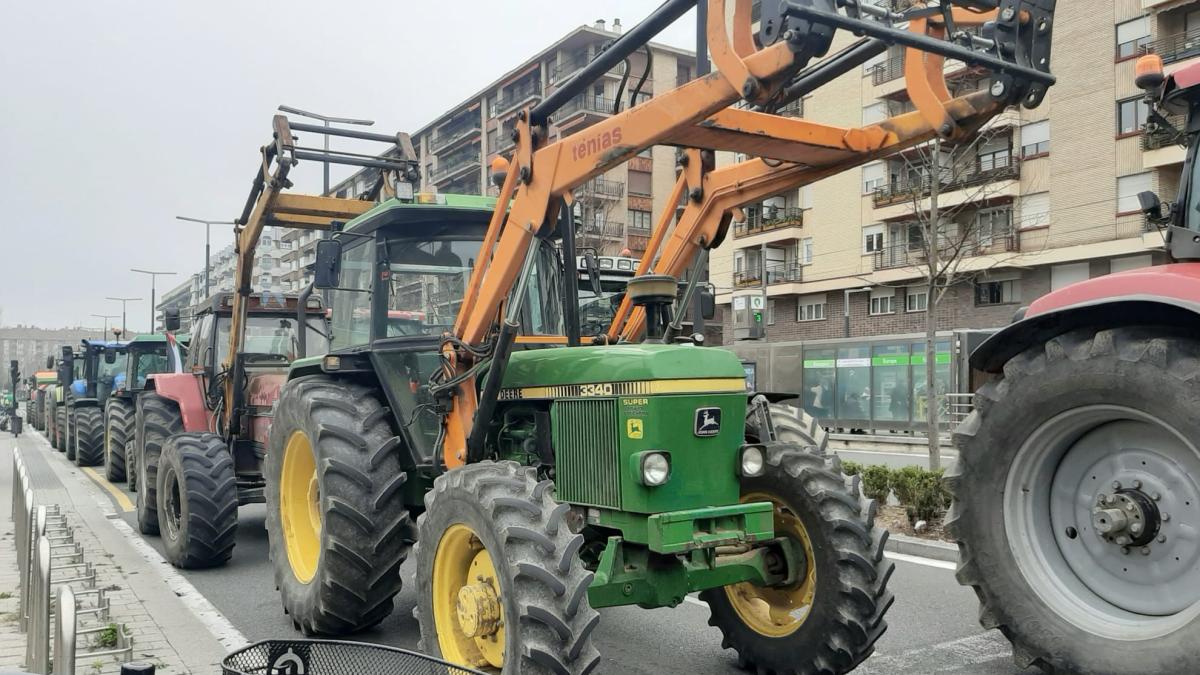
(153, 277)
(327, 120)
(106, 317)
(207, 249)
(123, 301)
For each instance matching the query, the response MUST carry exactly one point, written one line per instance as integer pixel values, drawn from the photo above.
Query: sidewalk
(143, 589)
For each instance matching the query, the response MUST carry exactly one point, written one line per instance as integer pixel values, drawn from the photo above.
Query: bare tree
(942, 234)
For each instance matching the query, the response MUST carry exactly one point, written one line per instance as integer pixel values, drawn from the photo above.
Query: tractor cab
(1172, 95)
(146, 355)
(95, 370)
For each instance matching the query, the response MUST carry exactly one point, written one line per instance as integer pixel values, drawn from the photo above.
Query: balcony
(456, 165)
(776, 273)
(585, 104)
(766, 219)
(987, 169)
(448, 136)
(1174, 48)
(516, 96)
(601, 188)
(567, 67)
(911, 252)
(1159, 137)
(601, 229)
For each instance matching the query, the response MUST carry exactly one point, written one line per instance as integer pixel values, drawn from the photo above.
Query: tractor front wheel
(60, 428)
(1077, 502)
(89, 436)
(829, 617)
(158, 418)
(118, 425)
(499, 584)
(337, 522)
(197, 500)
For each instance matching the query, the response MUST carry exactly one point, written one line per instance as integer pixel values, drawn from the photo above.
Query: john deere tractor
(145, 355)
(87, 378)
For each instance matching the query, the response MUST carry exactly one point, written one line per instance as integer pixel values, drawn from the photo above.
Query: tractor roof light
(655, 468)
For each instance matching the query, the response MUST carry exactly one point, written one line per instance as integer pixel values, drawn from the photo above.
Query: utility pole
(153, 277)
(207, 236)
(106, 317)
(123, 301)
(327, 119)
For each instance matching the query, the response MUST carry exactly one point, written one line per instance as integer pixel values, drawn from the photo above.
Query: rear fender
(1167, 295)
(184, 389)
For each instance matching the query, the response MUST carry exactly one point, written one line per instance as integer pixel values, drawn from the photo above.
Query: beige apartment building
(616, 210)
(1050, 198)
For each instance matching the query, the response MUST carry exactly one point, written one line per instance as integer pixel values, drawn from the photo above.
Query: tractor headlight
(656, 468)
(751, 463)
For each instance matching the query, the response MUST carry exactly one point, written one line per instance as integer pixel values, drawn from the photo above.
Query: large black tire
(543, 584)
(118, 428)
(60, 428)
(849, 592)
(1153, 372)
(792, 425)
(197, 500)
(157, 420)
(89, 436)
(69, 432)
(365, 529)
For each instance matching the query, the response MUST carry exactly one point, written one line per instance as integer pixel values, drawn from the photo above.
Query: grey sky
(119, 115)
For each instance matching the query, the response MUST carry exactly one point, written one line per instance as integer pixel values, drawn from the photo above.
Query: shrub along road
(932, 627)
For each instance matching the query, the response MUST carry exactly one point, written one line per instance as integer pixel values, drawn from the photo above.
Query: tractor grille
(586, 449)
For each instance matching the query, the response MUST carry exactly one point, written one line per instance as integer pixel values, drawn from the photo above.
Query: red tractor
(1077, 488)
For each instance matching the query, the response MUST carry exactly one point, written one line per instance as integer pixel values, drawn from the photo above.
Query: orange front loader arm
(695, 115)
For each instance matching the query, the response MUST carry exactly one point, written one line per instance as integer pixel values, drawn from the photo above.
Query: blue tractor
(88, 377)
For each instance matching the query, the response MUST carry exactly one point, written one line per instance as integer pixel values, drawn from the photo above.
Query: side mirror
(50, 362)
(708, 304)
(327, 272)
(171, 319)
(593, 271)
(1151, 206)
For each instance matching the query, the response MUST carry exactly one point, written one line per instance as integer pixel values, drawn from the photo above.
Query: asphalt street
(932, 626)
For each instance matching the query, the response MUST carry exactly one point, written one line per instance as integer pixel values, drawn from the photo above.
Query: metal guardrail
(1177, 47)
(45, 544)
(993, 169)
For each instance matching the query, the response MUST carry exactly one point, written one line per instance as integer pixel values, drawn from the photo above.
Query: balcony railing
(453, 165)
(765, 219)
(986, 170)
(586, 103)
(886, 71)
(515, 97)
(1162, 137)
(605, 229)
(907, 253)
(568, 67)
(602, 188)
(776, 273)
(449, 136)
(1175, 47)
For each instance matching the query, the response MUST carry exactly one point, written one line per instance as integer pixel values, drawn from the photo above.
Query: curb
(937, 550)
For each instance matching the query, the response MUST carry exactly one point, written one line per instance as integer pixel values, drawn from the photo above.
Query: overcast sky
(118, 115)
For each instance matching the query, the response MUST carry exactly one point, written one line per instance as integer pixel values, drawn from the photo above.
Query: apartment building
(271, 269)
(1049, 198)
(29, 345)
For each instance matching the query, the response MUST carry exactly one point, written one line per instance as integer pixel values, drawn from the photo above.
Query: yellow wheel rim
(468, 610)
(780, 610)
(300, 507)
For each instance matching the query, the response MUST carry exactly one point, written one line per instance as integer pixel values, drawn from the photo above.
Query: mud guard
(184, 389)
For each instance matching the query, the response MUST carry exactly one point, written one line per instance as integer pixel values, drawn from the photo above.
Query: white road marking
(918, 560)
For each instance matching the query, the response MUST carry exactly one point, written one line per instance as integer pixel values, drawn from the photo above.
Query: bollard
(24, 568)
(37, 645)
(16, 469)
(64, 632)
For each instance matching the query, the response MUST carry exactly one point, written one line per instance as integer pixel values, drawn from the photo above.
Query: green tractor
(628, 474)
(87, 378)
(144, 356)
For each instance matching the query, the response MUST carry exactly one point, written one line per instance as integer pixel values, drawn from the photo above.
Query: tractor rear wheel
(829, 620)
(60, 427)
(89, 436)
(69, 433)
(792, 425)
(1077, 500)
(499, 584)
(337, 523)
(197, 500)
(157, 419)
(118, 427)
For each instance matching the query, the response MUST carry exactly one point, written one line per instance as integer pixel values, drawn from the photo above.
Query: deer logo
(708, 421)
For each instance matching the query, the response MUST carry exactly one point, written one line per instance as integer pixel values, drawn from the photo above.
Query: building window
(1035, 139)
(1131, 115)
(639, 183)
(810, 308)
(1128, 188)
(639, 220)
(1035, 210)
(1132, 36)
(916, 299)
(874, 176)
(1062, 276)
(770, 312)
(1130, 263)
(492, 142)
(1000, 292)
(883, 301)
(806, 251)
(872, 238)
(874, 113)
(266, 280)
